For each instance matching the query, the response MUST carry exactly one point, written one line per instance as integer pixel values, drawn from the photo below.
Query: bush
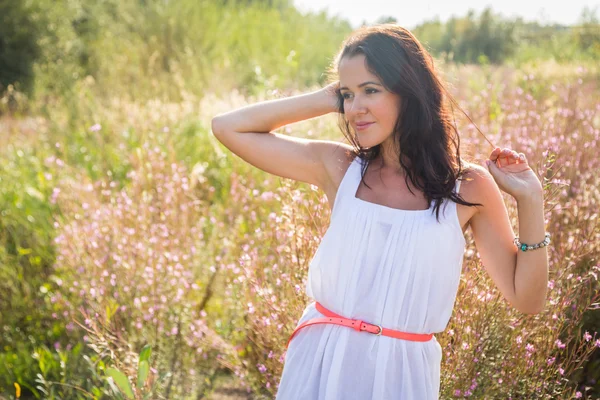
(18, 44)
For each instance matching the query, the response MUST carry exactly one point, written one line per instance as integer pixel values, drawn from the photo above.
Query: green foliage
(26, 256)
(142, 374)
(489, 37)
(143, 366)
(165, 49)
(146, 388)
(114, 76)
(121, 381)
(587, 34)
(146, 353)
(33, 165)
(18, 46)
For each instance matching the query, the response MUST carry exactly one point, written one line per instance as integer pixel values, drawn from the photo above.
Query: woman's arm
(272, 114)
(247, 133)
(531, 276)
(522, 277)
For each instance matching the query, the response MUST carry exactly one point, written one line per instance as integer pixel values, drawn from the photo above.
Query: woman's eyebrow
(362, 84)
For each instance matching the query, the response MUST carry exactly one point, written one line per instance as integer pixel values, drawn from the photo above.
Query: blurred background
(139, 258)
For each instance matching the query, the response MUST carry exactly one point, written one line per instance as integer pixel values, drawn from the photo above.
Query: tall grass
(124, 222)
(142, 229)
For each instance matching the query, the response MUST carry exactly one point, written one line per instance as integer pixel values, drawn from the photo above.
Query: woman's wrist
(531, 196)
(322, 102)
(330, 96)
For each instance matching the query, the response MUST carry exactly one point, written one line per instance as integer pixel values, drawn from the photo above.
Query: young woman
(385, 276)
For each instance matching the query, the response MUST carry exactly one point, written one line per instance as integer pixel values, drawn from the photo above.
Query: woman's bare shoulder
(337, 160)
(476, 183)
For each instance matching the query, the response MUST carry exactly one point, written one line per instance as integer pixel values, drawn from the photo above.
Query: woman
(393, 252)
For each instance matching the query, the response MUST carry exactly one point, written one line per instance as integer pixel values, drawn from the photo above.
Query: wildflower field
(139, 258)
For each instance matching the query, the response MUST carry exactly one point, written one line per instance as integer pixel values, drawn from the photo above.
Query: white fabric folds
(386, 266)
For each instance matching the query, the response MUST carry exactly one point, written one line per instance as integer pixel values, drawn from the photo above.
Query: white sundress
(396, 268)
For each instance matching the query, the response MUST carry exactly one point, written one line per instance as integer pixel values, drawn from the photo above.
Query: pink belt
(333, 318)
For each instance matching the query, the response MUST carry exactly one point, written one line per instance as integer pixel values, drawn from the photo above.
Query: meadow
(139, 258)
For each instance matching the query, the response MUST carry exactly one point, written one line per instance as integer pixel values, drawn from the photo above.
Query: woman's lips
(362, 127)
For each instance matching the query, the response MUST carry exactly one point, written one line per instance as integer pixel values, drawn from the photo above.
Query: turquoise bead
(524, 247)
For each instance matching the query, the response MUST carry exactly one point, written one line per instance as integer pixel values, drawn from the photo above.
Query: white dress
(396, 268)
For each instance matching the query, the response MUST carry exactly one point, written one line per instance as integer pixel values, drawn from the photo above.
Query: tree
(18, 46)
(386, 20)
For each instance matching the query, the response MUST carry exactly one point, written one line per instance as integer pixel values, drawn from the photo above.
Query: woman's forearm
(269, 115)
(531, 274)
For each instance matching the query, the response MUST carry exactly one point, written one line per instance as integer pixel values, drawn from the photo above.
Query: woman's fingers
(495, 153)
(505, 156)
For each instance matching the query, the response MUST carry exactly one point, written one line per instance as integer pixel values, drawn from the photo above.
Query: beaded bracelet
(525, 247)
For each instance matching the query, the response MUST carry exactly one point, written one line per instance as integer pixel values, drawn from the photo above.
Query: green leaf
(23, 251)
(111, 308)
(121, 381)
(142, 373)
(145, 353)
(114, 388)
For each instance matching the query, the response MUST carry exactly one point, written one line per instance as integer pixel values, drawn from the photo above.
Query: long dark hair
(429, 142)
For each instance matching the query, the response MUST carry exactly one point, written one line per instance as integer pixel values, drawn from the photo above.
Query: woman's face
(369, 107)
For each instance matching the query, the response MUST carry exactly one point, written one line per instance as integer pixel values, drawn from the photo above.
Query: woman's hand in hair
(332, 91)
(512, 173)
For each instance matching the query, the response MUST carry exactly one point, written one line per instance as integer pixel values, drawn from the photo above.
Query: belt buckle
(376, 334)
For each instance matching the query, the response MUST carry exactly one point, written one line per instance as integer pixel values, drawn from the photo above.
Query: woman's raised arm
(247, 133)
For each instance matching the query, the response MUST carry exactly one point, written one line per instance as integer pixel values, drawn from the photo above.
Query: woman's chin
(366, 143)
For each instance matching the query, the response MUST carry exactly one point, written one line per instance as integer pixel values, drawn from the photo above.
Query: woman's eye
(346, 96)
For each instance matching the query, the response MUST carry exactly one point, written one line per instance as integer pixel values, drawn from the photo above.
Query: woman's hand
(332, 93)
(512, 173)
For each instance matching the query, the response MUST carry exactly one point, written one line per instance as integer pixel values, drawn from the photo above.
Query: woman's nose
(357, 107)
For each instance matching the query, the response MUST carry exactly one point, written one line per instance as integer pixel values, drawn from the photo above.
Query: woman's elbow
(217, 125)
